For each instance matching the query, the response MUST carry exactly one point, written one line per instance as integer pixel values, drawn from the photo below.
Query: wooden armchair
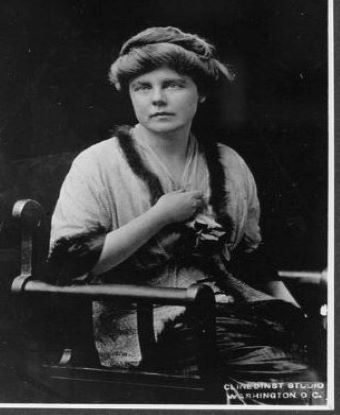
(59, 354)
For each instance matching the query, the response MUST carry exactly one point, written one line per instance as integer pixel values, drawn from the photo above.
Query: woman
(153, 205)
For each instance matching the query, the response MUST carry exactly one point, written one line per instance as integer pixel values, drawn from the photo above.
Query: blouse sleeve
(251, 261)
(81, 206)
(79, 223)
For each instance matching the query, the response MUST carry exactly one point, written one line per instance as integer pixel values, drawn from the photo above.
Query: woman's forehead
(160, 74)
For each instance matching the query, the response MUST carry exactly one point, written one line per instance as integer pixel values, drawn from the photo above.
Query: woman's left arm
(258, 263)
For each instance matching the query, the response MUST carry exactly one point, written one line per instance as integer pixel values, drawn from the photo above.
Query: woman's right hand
(179, 206)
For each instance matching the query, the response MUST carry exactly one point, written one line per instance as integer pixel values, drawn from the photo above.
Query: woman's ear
(201, 99)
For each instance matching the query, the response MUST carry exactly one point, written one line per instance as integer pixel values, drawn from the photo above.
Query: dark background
(55, 100)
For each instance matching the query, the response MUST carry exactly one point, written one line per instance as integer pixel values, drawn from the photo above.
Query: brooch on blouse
(208, 232)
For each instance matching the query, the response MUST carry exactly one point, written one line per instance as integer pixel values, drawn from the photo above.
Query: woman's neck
(169, 145)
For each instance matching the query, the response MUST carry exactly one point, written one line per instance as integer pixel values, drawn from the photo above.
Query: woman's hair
(155, 47)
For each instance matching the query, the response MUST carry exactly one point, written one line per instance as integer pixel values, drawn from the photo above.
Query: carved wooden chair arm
(158, 295)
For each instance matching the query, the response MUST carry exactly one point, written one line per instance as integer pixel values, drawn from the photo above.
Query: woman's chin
(164, 127)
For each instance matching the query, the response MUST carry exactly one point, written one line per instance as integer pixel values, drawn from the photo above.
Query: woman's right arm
(121, 243)
(83, 209)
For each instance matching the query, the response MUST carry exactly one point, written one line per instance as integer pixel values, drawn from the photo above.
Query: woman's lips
(162, 114)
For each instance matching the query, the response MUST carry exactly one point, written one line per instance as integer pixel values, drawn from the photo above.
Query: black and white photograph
(166, 204)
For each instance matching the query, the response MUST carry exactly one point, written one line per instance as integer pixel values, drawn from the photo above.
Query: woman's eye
(175, 84)
(141, 87)
(172, 85)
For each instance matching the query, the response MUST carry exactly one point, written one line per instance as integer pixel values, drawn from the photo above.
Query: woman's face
(163, 100)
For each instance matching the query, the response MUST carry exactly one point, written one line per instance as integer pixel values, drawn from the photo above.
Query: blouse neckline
(192, 149)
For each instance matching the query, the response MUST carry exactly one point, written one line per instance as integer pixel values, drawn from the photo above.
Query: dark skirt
(264, 342)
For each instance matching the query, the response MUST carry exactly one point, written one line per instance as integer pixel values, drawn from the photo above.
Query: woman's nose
(158, 96)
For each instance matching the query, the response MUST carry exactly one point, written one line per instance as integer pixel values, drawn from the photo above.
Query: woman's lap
(254, 341)
(261, 342)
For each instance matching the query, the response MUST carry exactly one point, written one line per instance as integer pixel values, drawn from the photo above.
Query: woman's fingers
(200, 199)
(180, 205)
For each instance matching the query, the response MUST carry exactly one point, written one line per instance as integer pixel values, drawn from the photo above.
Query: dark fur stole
(72, 257)
(136, 163)
(219, 196)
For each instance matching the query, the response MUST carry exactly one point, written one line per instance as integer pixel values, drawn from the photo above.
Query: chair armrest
(159, 295)
(305, 277)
